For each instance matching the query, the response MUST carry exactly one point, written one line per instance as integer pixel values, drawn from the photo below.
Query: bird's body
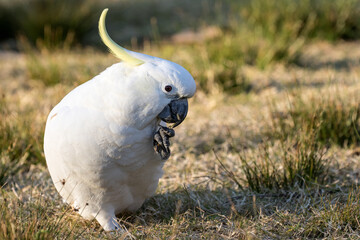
(99, 140)
(112, 161)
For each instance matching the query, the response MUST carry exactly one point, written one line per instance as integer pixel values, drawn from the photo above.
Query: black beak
(175, 112)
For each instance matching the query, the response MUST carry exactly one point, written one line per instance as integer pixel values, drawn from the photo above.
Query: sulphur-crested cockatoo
(104, 144)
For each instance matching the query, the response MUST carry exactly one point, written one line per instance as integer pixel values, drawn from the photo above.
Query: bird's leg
(161, 141)
(108, 221)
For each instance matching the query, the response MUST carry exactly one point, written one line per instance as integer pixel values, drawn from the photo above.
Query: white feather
(99, 139)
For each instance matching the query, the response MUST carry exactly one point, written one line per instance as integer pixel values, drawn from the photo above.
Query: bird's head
(169, 84)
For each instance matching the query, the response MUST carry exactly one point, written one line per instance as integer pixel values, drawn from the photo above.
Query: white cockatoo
(104, 144)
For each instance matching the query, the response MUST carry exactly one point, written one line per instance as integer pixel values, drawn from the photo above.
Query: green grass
(333, 119)
(298, 167)
(330, 20)
(15, 224)
(281, 166)
(336, 216)
(20, 142)
(52, 66)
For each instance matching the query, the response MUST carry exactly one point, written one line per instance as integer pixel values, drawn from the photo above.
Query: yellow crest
(117, 50)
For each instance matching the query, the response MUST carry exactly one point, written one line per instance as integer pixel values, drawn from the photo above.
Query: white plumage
(99, 140)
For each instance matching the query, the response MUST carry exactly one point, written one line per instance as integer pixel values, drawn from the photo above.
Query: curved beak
(175, 112)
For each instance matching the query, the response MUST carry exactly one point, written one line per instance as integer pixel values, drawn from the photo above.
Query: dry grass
(236, 172)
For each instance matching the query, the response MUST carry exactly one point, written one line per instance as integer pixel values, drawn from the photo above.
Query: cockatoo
(104, 142)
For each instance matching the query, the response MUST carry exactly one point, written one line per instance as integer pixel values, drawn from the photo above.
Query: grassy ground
(269, 163)
(270, 148)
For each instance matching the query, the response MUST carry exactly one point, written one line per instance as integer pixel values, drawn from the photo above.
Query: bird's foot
(109, 222)
(162, 143)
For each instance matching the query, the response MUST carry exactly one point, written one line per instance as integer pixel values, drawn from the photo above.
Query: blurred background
(225, 34)
(75, 22)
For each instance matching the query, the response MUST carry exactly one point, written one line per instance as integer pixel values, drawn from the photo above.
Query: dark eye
(168, 88)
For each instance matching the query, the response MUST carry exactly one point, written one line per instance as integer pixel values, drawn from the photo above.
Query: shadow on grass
(163, 208)
(224, 204)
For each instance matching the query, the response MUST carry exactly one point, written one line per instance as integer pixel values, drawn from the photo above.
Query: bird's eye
(168, 88)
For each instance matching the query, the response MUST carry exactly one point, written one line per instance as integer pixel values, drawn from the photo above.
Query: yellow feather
(117, 50)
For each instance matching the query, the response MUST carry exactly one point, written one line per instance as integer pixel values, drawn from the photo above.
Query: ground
(204, 193)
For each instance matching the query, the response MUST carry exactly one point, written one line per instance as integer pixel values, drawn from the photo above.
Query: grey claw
(162, 143)
(167, 131)
(158, 139)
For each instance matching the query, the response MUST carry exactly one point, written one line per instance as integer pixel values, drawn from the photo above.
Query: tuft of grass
(332, 119)
(298, 167)
(281, 165)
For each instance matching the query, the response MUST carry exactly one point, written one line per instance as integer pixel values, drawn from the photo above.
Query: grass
(330, 20)
(20, 142)
(39, 228)
(50, 66)
(333, 119)
(338, 216)
(285, 136)
(299, 166)
(289, 186)
(280, 165)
